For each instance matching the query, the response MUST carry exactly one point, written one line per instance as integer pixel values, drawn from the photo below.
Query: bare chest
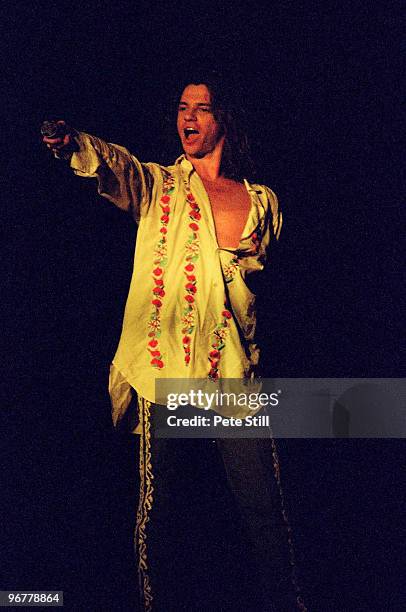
(230, 204)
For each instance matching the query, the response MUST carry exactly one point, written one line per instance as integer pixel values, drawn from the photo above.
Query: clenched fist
(60, 138)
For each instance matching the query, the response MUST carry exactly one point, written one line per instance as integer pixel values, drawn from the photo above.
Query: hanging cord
(276, 465)
(145, 503)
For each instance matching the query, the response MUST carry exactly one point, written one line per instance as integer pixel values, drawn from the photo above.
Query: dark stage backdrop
(322, 83)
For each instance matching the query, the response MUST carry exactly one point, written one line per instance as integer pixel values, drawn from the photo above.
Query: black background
(322, 83)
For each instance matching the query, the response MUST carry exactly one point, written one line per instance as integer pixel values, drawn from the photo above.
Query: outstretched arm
(122, 179)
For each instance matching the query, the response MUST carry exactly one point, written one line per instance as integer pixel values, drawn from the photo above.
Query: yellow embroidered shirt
(189, 312)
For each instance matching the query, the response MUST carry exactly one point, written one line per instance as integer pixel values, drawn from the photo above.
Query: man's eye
(202, 109)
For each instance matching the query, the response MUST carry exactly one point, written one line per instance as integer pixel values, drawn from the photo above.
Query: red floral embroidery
(160, 262)
(256, 242)
(192, 255)
(230, 270)
(220, 333)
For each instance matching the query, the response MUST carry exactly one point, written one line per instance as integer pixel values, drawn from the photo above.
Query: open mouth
(189, 132)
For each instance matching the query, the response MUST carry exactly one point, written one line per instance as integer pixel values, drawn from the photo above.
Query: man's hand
(60, 138)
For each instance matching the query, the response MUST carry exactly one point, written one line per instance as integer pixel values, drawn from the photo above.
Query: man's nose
(190, 115)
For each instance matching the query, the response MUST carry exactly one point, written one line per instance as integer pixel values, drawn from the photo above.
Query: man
(204, 233)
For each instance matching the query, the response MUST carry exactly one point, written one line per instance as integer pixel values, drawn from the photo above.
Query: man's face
(198, 130)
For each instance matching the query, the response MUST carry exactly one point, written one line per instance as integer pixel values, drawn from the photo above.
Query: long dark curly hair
(228, 110)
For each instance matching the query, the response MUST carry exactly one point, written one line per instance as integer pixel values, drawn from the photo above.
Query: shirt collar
(253, 188)
(185, 164)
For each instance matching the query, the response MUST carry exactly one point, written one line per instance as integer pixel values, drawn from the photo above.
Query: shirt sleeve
(264, 256)
(271, 228)
(122, 179)
(275, 213)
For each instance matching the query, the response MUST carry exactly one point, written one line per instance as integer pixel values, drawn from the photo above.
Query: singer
(205, 236)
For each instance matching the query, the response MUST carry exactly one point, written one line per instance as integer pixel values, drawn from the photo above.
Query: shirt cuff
(86, 161)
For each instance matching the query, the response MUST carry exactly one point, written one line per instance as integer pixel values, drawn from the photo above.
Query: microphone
(55, 129)
(52, 129)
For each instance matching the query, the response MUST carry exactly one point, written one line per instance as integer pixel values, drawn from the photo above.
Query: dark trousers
(211, 531)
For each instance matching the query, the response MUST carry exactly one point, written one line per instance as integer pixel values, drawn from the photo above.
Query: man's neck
(208, 167)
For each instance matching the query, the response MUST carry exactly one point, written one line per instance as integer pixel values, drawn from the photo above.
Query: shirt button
(214, 284)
